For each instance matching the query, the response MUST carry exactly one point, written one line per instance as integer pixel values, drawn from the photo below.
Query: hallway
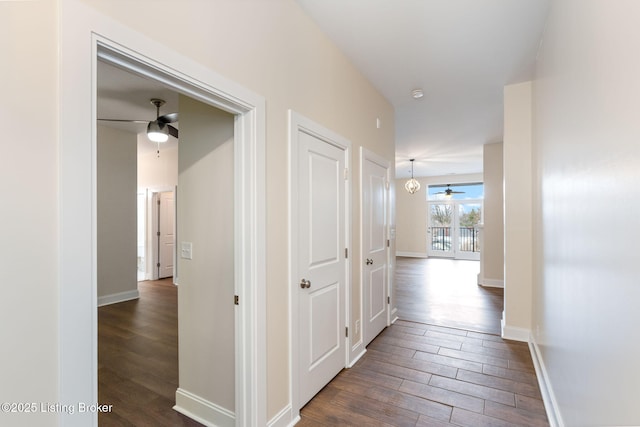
(442, 364)
(413, 373)
(423, 375)
(444, 292)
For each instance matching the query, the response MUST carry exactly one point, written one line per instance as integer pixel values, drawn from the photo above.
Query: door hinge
(346, 252)
(346, 332)
(388, 300)
(236, 300)
(158, 233)
(158, 202)
(346, 174)
(158, 265)
(388, 243)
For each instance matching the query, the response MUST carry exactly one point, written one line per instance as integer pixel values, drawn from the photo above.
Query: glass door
(454, 213)
(468, 216)
(440, 230)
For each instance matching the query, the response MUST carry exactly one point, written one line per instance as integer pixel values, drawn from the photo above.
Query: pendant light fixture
(412, 185)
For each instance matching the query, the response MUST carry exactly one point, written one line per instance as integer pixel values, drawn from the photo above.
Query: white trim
(356, 350)
(514, 333)
(299, 122)
(394, 316)
(283, 418)
(203, 411)
(491, 283)
(118, 297)
(81, 40)
(548, 396)
(412, 254)
(356, 358)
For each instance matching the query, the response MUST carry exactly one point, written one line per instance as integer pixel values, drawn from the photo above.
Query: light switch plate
(186, 250)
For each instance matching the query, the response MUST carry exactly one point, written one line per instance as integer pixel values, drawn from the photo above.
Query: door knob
(304, 283)
(369, 261)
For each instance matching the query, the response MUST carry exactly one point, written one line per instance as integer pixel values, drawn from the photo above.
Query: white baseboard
(394, 315)
(354, 360)
(284, 418)
(491, 283)
(548, 396)
(118, 297)
(514, 333)
(203, 411)
(412, 254)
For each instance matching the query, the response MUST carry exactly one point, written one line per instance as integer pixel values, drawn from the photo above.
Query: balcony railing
(441, 238)
(467, 239)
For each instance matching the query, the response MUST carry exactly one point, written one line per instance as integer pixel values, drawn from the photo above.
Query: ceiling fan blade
(173, 131)
(168, 118)
(123, 120)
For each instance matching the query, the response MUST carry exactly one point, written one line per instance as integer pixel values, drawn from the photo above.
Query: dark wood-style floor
(413, 374)
(444, 292)
(442, 364)
(138, 359)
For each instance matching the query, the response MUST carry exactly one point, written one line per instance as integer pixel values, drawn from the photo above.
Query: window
(454, 211)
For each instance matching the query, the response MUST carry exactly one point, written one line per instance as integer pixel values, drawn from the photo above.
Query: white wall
(492, 256)
(274, 49)
(30, 210)
(411, 212)
(411, 220)
(116, 216)
(517, 211)
(206, 282)
(157, 172)
(270, 47)
(587, 151)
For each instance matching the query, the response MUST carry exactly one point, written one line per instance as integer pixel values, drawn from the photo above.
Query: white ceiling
(460, 52)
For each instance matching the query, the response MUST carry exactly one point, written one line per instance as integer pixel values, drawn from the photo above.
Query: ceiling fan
(158, 130)
(448, 192)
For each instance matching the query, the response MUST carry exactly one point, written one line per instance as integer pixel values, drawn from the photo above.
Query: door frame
(381, 161)
(297, 122)
(153, 237)
(82, 41)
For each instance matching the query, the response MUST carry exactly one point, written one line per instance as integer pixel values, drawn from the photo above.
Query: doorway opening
(204, 157)
(84, 43)
(454, 214)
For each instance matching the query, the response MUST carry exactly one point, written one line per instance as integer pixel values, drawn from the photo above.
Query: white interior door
(166, 234)
(321, 263)
(374, 241)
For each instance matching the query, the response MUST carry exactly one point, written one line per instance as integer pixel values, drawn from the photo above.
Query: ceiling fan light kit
(412, 185)
(448, 193)
(157, 132)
